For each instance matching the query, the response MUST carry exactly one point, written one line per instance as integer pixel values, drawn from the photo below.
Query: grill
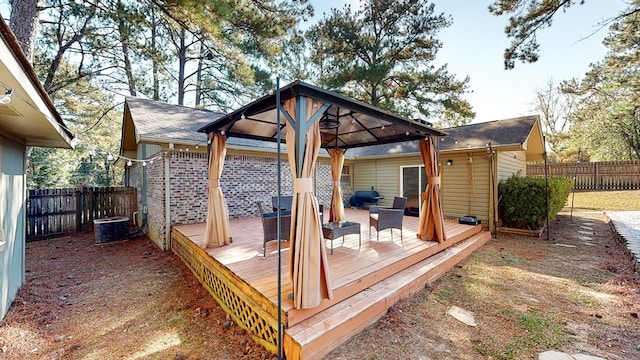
(364, 196)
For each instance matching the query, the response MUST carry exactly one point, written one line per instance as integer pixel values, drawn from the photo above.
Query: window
(345, 179)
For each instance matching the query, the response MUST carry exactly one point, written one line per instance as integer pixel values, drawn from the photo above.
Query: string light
(145, 162)
(6, 98)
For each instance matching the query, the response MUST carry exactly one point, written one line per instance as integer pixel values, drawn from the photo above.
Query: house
(169, 168)
(27, 118)
(473, 160)
(168, 133)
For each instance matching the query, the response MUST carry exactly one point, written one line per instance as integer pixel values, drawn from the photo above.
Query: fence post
(78, 196)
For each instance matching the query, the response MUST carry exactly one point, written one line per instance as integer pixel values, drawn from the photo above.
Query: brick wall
(155, 201)
(245, 180)
(188, 203)
(249, 179)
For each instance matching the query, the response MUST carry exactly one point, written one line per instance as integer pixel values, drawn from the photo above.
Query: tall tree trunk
(154, 58)
(182, 58)
(24, 23)
(62, 49)
(199, 75)
(125, 34)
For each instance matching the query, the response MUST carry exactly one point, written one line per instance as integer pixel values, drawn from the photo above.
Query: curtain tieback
(214, 183)
(336, 183)
(302, 185)
(433, 180)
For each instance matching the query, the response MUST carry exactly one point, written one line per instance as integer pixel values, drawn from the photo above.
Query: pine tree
(383, 54)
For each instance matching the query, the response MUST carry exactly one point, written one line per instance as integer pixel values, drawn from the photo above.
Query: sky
(473, 46)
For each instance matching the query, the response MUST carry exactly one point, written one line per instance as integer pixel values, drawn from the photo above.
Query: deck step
(325, 331)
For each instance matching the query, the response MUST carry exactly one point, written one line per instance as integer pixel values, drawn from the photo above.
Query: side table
(334, 230)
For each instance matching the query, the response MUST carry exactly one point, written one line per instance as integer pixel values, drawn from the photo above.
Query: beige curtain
(309, 266)
(336, 213)
(431, 226)
(217, 232)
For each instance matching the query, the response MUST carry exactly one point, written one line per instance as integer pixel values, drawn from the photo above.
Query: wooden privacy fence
(52, 212)
(609, 175)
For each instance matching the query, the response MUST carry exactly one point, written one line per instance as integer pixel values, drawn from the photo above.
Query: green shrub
(523, 200)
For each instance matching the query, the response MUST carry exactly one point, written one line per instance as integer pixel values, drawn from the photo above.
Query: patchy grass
(625, 200)
(528, 295)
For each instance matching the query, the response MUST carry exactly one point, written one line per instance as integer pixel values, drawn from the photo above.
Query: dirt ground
(576, 293)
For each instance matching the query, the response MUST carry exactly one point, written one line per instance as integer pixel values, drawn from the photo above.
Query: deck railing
(53, 212)
(609, 175)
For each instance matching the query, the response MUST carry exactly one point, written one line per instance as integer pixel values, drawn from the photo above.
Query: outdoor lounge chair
(270, 226)
(285, 202)
(381, 218)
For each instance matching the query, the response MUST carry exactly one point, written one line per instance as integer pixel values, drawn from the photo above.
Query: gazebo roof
(360, 124)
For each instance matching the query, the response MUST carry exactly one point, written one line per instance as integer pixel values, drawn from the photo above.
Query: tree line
(219, 54)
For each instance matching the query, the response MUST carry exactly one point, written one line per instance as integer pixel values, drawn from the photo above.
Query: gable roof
(521, 133)
(31, 118)
(154, 122)
(360, 124)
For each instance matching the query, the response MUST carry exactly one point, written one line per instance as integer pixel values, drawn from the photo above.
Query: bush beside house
(523, 201)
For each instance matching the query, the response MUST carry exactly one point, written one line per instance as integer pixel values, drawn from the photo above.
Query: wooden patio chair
(270, 226)
(381, 218)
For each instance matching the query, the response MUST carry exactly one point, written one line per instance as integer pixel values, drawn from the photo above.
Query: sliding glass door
(414, 180)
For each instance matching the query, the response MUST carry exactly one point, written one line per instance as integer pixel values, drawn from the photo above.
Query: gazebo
(325, 299)
(309, 117)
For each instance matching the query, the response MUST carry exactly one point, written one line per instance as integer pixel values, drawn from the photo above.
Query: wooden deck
(245, 283)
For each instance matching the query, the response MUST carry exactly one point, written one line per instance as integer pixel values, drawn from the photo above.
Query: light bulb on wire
(6, 98)
(129, 163)
(110, 157)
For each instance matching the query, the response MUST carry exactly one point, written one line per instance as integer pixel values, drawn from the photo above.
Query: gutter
(167, 199)
(508, 147)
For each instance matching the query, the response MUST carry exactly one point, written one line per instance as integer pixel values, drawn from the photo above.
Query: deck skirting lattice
(245, 313)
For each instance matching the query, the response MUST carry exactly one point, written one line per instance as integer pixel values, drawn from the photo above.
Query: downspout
(167, 199)
(493, 191)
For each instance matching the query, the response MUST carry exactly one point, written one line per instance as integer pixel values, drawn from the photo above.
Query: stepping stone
(462, 315)
(565, 245)
(555, 355)
(586, 227)
(589, 243)
(586, 357)
(585, 232)
(586, 238)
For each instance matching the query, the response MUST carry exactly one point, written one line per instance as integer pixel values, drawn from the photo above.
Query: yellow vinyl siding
(465, 192)
(510, 162)
(383, 175)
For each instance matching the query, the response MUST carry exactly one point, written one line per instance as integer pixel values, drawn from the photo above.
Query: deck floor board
(350, 262)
